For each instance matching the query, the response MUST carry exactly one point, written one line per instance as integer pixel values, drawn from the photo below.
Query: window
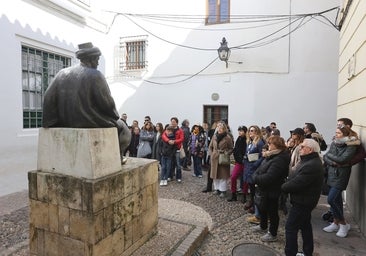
(38, 69)
(218, 11)
(133, 53)
(215, 113)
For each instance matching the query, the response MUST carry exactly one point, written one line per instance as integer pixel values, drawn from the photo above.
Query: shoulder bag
(224, 159)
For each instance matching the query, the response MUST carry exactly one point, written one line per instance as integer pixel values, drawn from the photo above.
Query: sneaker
(199, 176)
(194, 175)
(254, 220)
(258, 229)
(343, 230)
(331, 228)
(165, 183)
(179, 180)
(300, 254)
(169, 179)
(162, 183)
(268, 238)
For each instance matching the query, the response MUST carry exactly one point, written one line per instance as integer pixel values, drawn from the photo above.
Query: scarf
(220, 136)
(269, 153)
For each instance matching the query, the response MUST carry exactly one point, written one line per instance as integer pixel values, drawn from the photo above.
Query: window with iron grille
(38, 70)
(218, 11)
(133, 54)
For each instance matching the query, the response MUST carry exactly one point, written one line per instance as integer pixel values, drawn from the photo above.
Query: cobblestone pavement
(226, 222)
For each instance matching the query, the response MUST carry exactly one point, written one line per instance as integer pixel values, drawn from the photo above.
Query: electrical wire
(183, 80)
(219, 29)
(239, 19)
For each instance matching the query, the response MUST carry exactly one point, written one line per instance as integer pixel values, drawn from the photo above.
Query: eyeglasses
(340, 126)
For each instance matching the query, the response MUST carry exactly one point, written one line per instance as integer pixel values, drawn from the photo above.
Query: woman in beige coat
(221, 142)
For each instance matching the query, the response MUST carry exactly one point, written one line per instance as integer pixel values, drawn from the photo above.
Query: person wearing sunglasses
(252, 160)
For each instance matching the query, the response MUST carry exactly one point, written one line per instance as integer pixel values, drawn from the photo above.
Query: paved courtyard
(182, 206)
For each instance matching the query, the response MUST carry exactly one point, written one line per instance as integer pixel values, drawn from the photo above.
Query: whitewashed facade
(289, 76)
(352, 95)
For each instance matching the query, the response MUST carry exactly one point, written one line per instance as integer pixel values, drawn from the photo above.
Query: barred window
(218, 11)
(133, 54)
(38, 70)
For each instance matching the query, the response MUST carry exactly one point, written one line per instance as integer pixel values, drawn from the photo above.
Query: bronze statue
(79, 97)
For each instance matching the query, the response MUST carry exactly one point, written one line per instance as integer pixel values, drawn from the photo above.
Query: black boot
(233, 197)
(244, 199)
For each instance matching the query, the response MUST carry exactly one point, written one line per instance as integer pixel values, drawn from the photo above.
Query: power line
(245, 19)
(183, 80)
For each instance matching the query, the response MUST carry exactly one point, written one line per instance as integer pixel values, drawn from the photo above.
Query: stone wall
(111, 215)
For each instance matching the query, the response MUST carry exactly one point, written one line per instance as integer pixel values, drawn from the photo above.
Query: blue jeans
(197, 165)
(299, 218)
(336, 203)
(166, 162)
(178, 174)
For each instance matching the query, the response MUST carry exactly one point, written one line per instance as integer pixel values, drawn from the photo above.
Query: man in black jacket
(304, 187)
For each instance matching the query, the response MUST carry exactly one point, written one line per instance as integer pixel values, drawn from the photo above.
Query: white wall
(352, 98)
(291, 81)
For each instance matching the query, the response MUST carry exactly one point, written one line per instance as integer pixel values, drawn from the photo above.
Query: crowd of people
(269, 172)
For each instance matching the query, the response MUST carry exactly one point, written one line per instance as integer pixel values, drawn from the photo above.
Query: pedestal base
(111, 215)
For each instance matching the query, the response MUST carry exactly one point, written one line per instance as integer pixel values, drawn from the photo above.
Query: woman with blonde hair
(221, 143)
(252, 160)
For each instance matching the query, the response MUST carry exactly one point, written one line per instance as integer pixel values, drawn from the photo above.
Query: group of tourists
(267, 169)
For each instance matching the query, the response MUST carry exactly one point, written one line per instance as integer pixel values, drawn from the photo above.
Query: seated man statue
(79, 97)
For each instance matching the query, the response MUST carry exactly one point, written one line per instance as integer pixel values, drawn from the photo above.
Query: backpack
(359, 156)
(317, 137)
(323, 145)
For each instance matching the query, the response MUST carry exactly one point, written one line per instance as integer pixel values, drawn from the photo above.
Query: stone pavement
(190, 223)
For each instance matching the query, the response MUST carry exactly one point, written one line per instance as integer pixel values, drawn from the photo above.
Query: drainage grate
(253, 249)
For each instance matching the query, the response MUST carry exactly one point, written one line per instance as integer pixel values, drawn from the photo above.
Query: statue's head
(88, 54)
(87, 50)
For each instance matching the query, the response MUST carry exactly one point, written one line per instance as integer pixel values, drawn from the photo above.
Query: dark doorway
(213, 113)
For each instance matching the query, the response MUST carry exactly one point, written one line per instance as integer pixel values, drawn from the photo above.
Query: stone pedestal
(113, 214)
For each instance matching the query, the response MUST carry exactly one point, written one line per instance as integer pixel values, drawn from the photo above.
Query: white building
(160, 59)
(352, 95)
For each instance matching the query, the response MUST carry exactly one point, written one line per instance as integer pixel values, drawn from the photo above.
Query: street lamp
(224, 51)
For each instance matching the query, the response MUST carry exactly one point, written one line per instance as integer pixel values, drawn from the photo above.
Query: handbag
(143, 149)
(260, 199)
(224, 159)
(182, 153)
(253, 157)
